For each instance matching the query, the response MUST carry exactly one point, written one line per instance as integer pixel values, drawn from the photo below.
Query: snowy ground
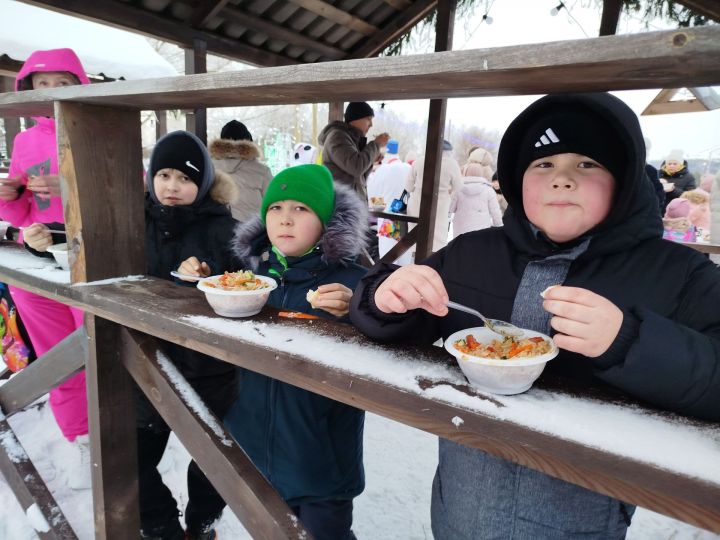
(399, 462)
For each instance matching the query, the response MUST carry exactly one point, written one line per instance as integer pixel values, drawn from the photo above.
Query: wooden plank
(707, 8)
(111, 418)
(248, 494)
(196, 62)
(398, 4)
(335, 112)
(127, 16)
(401, 24)
(12, 125)
(396, 217)
(206, 11)
(160, 308)
(703, 248)
(161, 125)
(657, 59)
(338, 16)
(276, 31)
(54, 367)
(405, 243)
(30, 491)
(102, 191)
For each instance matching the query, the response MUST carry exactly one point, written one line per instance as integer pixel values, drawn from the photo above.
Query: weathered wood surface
(54, 367)
(159, 308)
(248, 494)
(27, 485)
(703, 248)
(657, 59)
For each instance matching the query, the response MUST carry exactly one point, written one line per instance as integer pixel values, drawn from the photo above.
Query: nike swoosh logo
(192, 166)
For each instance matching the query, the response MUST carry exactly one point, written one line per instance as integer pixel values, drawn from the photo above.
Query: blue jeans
(479, 496)
(327, 520)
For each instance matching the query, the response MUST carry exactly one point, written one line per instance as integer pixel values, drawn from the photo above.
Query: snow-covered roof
(102, 49)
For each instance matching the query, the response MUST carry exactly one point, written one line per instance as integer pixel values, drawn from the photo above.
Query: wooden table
(605, 452)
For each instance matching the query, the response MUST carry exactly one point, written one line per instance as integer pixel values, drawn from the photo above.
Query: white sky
(696, 133)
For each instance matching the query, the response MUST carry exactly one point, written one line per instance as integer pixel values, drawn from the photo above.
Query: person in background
(309, 447)
(654, 177)
(346, 152)
(236, 154)
(580, 255)
(676, 222)
(30, 198)
(188, 228)
(475, 206)
(451, 182)
(699, 214)
(675, 176)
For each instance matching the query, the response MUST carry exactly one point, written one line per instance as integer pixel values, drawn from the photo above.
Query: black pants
(157, 504)
(327, 520)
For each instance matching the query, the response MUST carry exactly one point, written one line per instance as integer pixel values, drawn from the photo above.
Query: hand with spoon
(192, 269)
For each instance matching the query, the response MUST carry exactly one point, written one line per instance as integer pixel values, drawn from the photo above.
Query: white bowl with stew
(234, 303)
(497, 376)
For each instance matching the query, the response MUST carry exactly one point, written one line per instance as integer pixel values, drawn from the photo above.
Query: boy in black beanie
(188, 226)
(580, 255)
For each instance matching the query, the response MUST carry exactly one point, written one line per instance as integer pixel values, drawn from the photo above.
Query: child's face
(566, 195)
(174, 188)
(52, 79)
(292, 227)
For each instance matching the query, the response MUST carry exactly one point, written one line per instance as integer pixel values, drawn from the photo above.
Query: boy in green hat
(308, 446)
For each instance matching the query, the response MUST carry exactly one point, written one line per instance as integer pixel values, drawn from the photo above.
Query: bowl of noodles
(501, 365)
(237, 294)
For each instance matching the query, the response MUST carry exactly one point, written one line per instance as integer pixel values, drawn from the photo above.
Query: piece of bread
(311, 297)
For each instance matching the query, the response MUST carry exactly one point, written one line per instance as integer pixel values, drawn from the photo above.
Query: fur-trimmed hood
(231, 149)
(224, 189)
(343, 238)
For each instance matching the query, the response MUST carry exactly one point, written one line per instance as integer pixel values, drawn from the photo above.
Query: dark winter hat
(235, 131)
(183, 151)
(356, 110)
(309, 184)
(573, 129)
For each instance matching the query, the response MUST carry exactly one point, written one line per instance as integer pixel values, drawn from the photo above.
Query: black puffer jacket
(668, 349)
(683, 180)
(172, 234)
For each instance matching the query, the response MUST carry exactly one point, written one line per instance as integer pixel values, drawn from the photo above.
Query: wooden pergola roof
(285, 32)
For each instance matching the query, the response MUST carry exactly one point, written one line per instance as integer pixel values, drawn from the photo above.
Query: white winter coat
(451, 181)
(475, 206)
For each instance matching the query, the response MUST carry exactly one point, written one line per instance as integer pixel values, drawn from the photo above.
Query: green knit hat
(311, 185)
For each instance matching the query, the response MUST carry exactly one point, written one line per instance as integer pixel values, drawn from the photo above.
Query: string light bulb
(554, 11)
(487, 18)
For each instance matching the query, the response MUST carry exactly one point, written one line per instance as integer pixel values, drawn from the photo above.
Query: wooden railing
(99, 144)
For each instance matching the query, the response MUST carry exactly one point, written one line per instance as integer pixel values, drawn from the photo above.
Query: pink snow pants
(47, 323)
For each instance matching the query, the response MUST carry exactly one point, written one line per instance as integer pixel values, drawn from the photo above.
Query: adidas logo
(548, 137)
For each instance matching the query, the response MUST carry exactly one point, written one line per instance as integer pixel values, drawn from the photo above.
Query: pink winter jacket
(475, 206)
(35, 149)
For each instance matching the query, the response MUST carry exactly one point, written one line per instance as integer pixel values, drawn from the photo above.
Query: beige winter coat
(240, 159)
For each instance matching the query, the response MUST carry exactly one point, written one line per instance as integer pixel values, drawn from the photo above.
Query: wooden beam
(206, 11)
(398, 4)
(9, 67)
(195, 63)
(659, 59)
(248, 494)
(161, 124)
(405, 243)
(111, 418)
(706, 8)
(335, 112)
(30, 491)
(101, 190)
(160, 308)
(57, 365)
(12, 124)
(127, 17)
(338, 16)
(275, 31)
(610, 17)
(401, 24)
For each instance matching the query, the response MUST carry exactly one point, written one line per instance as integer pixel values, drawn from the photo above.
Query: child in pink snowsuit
(30, 196)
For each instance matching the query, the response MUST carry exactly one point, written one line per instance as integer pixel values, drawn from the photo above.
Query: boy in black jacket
(627, 307)
(187, 224)
(308, 446)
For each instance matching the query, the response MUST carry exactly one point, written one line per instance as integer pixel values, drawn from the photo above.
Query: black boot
(167, 531)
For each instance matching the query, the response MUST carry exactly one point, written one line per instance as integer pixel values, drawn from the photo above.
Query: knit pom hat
(309, 184)
(576, 130)
(235, 131)
(356, 110)
(675, 155)
(678, 208)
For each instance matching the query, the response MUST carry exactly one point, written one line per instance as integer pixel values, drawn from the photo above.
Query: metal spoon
(499, 327)
(186, 277)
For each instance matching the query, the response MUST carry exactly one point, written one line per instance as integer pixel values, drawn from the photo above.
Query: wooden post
(104, 209)
(12, 124)
(335, 111)
(434, 142)
(160, 124)
(196, 62)
(610, 17)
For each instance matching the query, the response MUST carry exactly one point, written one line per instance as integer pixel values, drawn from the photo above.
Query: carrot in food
(517, 350)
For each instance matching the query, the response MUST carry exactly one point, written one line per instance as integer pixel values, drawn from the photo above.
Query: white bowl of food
(237, 294)
(499, 365)
(61, 254)
(3, 228)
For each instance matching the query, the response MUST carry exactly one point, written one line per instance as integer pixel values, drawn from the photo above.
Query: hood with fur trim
(343, 238)
(230, 149)
(223, 190)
